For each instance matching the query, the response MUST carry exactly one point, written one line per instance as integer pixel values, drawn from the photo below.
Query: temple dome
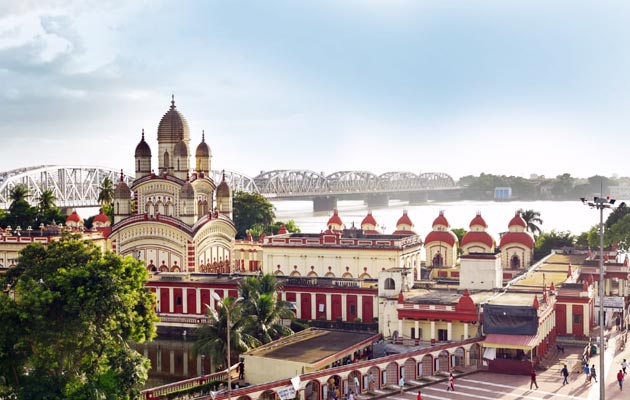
(122, 191)
(181, 150)
(142, 149)
(203, 150)
(187, 192)
(223, 190)
(173, 127)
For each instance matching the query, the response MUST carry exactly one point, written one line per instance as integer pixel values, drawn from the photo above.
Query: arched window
(390, 284)
(515, 262)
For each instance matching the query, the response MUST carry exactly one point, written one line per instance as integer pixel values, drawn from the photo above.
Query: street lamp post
(601, 203)
(228, 311)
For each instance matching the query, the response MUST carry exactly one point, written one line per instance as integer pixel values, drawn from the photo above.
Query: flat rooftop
(311, 345)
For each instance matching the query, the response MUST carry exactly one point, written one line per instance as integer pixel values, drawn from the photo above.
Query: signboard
(612, 302)
(286, 393)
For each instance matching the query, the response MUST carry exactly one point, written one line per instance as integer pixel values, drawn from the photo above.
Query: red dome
(523, 238)
(441, 236)
(518, 221)
(74, 217)
(101, 217)
(282, 230)
(369, 220)
(335, 219)
(478, 237)
(478, 220)
(404, 220)
(441, 220)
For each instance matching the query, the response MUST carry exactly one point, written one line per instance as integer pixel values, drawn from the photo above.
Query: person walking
(620, 377)
(357, 386)
(419, 396)
(401, 383)
(565, 375)
(371, 382)
(532, 381)
(451, 383)
(593, 373)
(587, 373)
(624, 365)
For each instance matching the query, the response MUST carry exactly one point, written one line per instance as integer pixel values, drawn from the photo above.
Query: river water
(570, 216)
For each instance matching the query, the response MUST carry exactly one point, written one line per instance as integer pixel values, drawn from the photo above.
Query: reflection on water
(172, 360)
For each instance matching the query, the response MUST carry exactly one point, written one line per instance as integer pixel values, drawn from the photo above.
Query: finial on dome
(203, 135)
(121, 176)
(173, 100)
(143, 134)
(223, 172)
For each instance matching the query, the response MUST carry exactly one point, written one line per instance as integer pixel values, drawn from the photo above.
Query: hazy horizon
(507, 88)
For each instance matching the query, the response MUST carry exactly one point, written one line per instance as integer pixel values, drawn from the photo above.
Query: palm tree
(19, 193)
(46, 201)
(262, 304)
(532, 219)
(106, 192)
(212, 338)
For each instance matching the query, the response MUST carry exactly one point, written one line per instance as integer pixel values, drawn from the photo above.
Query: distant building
(502, 193)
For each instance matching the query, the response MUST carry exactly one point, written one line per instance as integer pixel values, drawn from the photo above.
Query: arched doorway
(515, 262)
(372, 380)
(410, 370)
(354, 381)
(312, 390)
(332, 388)
(442, 362)
(457, 359)
(268, 395)
(474, 354)
(438, 261)
(427, 365)
(391, 374)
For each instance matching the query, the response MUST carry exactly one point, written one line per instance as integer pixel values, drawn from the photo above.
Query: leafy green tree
(70, 316)
(261, 303)
(212, 338)
(47, 211)
(532, 219)
(619, 233)
(290, 225)
(459, 232)
(106, 192)
(20, 212)
(251, 209)
(548, 241)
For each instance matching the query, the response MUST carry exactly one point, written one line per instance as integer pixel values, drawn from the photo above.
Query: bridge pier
(324, 203)
(377, 200)
(419, 197)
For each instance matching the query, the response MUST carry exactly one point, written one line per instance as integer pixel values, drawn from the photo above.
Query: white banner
(286, 393)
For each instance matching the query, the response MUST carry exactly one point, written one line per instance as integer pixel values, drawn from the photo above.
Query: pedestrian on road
(451, 383)
(593, 373)
(565, 374)
(401, 383)
(587, 372)
(624, 365)
(532, 382)
(419, 396)
(620, 377)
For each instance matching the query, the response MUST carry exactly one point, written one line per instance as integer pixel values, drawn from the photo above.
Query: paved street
(485, 385)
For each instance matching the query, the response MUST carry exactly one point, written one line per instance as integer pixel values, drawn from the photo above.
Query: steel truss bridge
(79, 186)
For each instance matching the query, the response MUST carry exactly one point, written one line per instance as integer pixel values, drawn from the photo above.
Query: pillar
(416, 328)
(198, 302)
(298, 303)
(360, 307)
(449, 331)
(432, 330)
(400, 328)
(157, 299)
(328, 306)
(184, 301)
(344, 307)
(171, 300)
(465, 330)
(324, 203)
(313, 306)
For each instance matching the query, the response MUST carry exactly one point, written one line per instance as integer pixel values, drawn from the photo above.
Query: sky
(461, 87)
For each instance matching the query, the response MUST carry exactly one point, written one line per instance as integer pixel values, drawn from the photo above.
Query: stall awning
(501, 341)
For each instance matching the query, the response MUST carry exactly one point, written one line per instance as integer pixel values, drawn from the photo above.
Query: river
(570, 216)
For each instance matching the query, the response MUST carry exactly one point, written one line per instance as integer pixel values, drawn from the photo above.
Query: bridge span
(79, 186)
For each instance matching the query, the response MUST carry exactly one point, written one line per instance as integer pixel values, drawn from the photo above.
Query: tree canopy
(251, 211)
(22, 214)
(69, 311)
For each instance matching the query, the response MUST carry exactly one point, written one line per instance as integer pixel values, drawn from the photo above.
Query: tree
(261, 303)
(106, 192)
(69, 320)
(548, 241)
(20, 212)
(212, 338)
(532, 219)
(290, 225)
(47, 211)
(251, 209)
(619, 233)
(459, 232)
